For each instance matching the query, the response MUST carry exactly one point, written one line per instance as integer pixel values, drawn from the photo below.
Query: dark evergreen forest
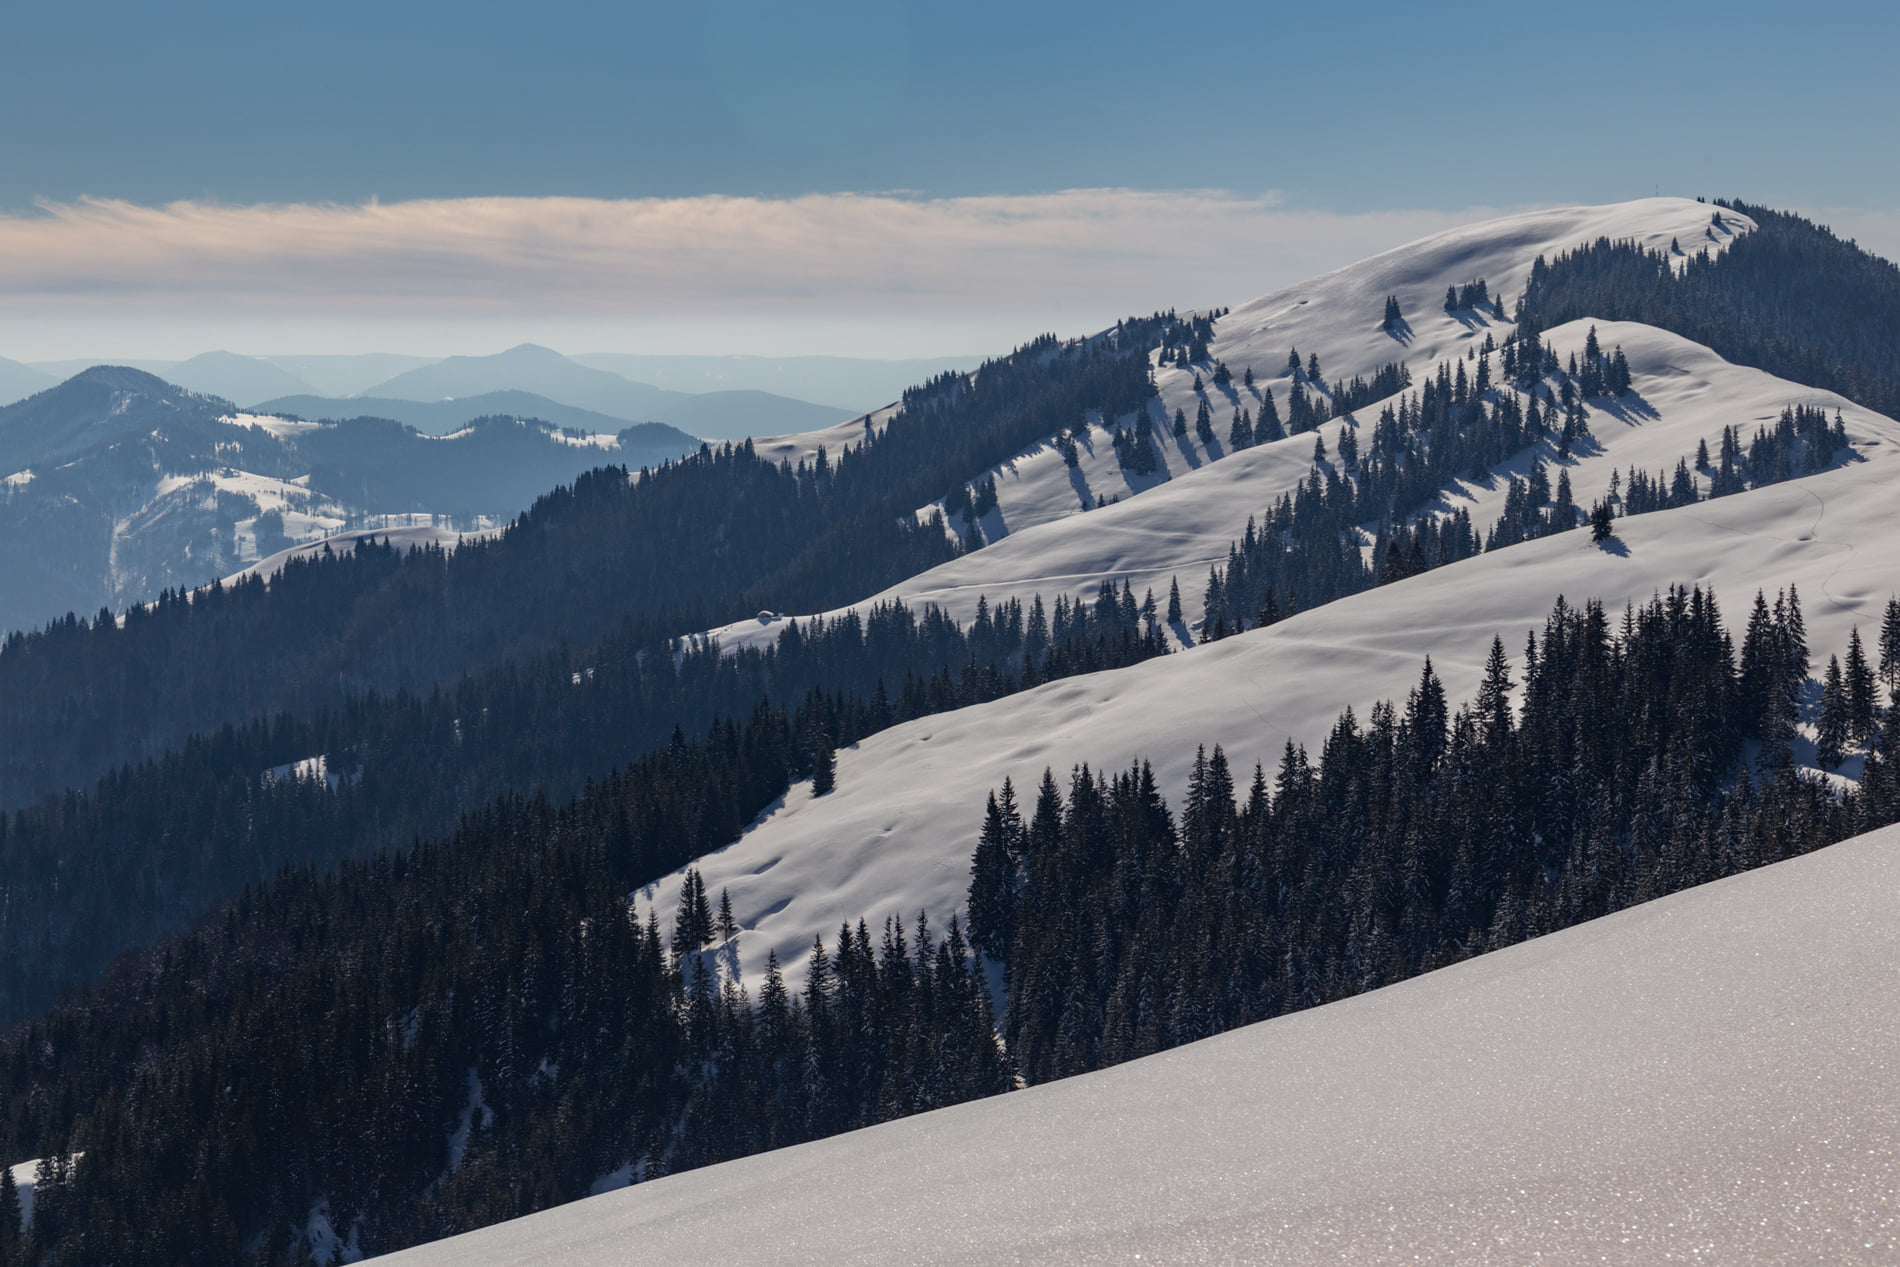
(151, 848)
(690, 545)
(473, 1028)
(1789, 298)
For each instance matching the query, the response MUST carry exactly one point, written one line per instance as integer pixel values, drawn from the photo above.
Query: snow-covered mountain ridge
(120, 485)
(1337, 318)
(897, 834)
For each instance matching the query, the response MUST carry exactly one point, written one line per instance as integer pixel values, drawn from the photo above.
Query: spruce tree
(1174, 600)
(824, 767)
(1268, 428)
(993, 877)
(1890, 648)
(1602, 521)
(10, 1225)
(1858, 680)
(1834, 726)
(1494, 695)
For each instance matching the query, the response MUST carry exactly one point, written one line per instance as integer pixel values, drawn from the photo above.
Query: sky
(872, 177)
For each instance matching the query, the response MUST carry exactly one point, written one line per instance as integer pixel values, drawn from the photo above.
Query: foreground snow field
(1707, 1078)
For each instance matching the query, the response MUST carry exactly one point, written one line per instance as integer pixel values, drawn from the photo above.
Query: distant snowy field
(1705, 1078)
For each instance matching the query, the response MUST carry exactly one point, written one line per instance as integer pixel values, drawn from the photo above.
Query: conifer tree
(1349, 447)
(10, 1225)
(1834, 726)
(1494, 695)
(728, 926)
(1268, 427)
(1174, 600)
(824, 767)
(1858, 681)
(1602, 521)
(1890, 648)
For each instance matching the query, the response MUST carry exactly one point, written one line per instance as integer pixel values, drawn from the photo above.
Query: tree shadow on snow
(1630, 408)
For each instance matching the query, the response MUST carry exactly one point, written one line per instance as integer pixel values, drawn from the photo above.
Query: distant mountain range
(719, 397)
(534, 382)
(855, 383)
(119, 485)
(18, 381)
(443, 417)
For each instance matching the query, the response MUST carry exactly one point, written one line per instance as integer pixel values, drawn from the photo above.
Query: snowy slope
(420, 535)
(1337, 317)
(803, 446)
(897, 833)
(1683, 393)
(1704, 1078)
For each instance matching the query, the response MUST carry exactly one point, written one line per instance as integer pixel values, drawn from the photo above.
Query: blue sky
(1344, 106)
(1344, 110)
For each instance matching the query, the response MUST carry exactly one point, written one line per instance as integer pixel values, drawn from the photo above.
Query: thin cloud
(1112, 250)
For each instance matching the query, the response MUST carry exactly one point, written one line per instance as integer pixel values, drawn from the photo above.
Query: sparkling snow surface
(1706, 1078)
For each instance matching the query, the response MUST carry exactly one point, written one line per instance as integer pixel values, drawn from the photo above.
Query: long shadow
(1399, 332)
(1614, 545)
(1630, 408)
(1473, 319)
(1080, 483)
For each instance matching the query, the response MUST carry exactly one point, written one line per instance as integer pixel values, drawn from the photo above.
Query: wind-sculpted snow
(1704, 1078)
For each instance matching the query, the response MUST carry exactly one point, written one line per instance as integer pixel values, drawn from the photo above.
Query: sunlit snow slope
(1337, 317)
(1683, 394)
(1708, 1078)
(897, 833)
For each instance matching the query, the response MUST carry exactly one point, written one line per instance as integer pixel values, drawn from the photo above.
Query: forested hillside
(475, 1028)
(1788, 297)
(150, 848)
(687, 545)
